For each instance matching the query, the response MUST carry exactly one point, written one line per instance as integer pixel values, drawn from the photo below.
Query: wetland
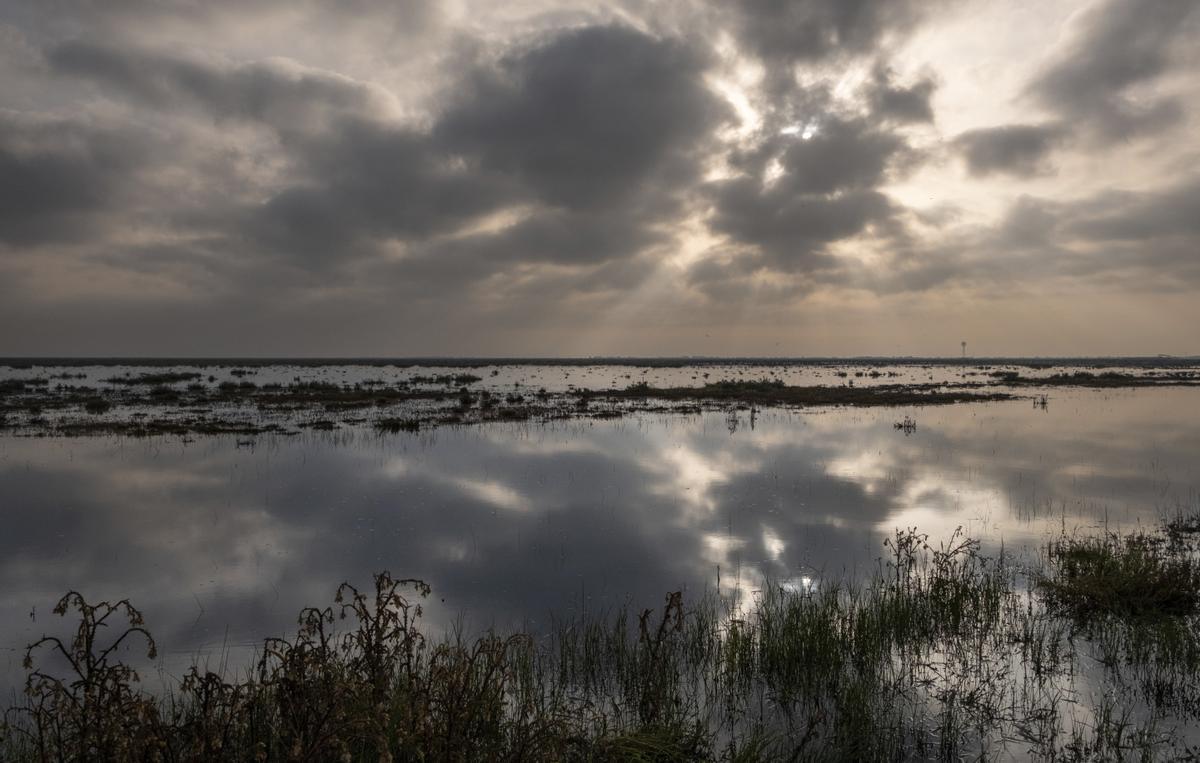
(667, 561)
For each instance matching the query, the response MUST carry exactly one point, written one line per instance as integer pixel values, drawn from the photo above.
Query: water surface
(220, 543)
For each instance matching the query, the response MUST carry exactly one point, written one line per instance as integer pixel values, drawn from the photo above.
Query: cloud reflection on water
(222, 546)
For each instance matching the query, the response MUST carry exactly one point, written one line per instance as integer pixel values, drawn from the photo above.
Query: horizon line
(509, 359)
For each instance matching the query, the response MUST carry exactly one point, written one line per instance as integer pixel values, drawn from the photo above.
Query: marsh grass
(97, 405)
(393, 425)
(169, 402)
(942, 653)
(1132, 576)
(154, 378)
(1184, 524)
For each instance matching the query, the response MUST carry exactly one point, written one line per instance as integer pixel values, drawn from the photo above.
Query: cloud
(352, 175)
(234, 21)
(586, 118)
(1117, 47)
(812, 174)
(597, 127)
(553, 163)
(794, 31)
(1029, 223)
(793, 228)
(841, 155)
(363, 183)
(560, 236)
(814, 192)
(889, 101)
(1127, 240)
(1020, 150)
(58, 177)
(1147, 216)
(280, 93)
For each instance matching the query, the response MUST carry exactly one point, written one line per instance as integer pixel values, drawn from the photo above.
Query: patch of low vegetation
(1133, 576)
(154, 378)
(145, 426)
(938, 656)
(232, 386)
(448, 379)
(1102, 379)
(320, 425)
(776, 392)
(17, 386)
(97, 405)
(740, 388)
(1185, 524)
(394, 425)
(315, 387)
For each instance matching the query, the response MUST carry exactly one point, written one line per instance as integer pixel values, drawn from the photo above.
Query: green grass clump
(1138, 576)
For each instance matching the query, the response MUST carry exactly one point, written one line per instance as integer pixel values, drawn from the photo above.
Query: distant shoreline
(634, 361)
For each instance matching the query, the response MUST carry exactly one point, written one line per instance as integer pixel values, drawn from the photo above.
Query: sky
(533, 178)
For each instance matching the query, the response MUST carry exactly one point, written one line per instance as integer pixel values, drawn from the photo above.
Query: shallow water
(221, 544)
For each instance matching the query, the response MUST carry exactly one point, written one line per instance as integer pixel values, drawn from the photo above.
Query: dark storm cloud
(354, 177)
(1121, 44)
(1133, 232)
(284, 95)
(890, 101)
(793, 228)
(594, 133)
(137, 19)
(794, 196)
(365, 181)
(793, 31)
(826, 191)
(587, 118)
(1131, 240)
(1020, 150)
(842, 155)
(1172, 212)
(57, 177)
(597, 126)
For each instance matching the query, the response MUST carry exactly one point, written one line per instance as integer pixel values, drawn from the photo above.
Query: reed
(942, 652)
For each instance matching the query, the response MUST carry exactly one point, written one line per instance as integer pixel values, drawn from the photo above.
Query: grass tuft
(1137, 576)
